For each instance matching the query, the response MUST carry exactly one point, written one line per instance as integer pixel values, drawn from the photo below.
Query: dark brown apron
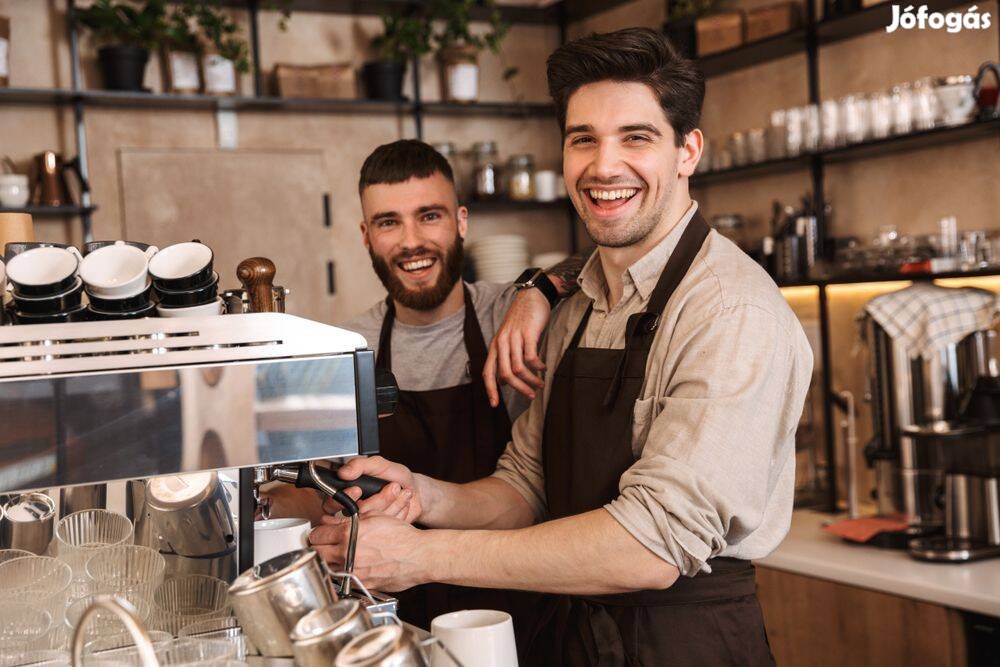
(710, 619)
(452, 434)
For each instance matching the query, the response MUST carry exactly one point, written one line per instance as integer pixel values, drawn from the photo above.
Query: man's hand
(388, 555)
(514, 349)
(400, 498)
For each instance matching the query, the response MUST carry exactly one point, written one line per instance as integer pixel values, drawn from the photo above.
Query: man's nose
(411, 236)
(607, 164)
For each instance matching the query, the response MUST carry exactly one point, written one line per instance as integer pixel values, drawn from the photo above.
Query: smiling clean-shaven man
(658, 460)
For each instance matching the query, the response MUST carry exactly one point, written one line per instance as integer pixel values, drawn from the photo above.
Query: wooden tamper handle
(257, 276)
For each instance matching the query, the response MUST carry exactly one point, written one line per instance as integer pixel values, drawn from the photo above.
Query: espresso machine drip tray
(943, 549)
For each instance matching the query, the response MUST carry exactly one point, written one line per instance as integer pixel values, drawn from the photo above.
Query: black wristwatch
(535, 277)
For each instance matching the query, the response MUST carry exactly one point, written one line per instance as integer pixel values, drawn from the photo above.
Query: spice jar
(487, 171)
(448, 152)
(521, 178)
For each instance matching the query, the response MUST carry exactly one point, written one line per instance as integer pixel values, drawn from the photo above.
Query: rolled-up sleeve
(716, 433)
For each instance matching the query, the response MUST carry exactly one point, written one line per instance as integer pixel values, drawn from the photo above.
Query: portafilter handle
(257, 276)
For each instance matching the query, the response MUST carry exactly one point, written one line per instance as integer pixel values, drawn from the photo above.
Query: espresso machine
(90, 403)
(934, 448)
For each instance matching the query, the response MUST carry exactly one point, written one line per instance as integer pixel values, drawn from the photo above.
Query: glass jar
(902, 109)
(487, 171)
(521, 178)
(880, 114)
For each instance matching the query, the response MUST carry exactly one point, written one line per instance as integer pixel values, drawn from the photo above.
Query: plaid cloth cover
(926, 317)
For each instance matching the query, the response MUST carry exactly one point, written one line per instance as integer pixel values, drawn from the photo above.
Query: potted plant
(227, 52)
(402, 38)
(127, 30)
(458, 47)
(181, 51)
(680, 26)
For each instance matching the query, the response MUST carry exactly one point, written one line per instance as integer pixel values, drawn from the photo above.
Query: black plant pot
(682, 35)
(383, 80)
(123, 67)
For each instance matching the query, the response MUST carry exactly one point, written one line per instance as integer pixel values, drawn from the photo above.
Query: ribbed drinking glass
(79, 535)
(185, 600)
(126, 569)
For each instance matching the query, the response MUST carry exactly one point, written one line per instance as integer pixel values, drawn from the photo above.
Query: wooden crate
(773, 20)
(720, 32)
(335, 80)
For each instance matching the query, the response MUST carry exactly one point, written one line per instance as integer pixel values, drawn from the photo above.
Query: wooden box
(4, 51)
(720, 32)
(335, 80)
(772, 20)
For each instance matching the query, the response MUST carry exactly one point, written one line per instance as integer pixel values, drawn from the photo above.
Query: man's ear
(463, 221)
(690, 153)
(364, 234)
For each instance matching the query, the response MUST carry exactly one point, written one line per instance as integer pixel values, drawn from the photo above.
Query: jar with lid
(487, 171)
(521, 178)
(448, 152)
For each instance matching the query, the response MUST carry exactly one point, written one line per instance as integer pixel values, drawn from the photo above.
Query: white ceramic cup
(14, 190)
(216, 307)
(180, 260)
(273, 537)
(477, 637)
(43, 266)
(956, 102)
(545, 185)
(116, 271)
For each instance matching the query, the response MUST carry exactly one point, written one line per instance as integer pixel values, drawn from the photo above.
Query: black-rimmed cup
(149, 310)
(97, 245)
(50, 305)
(43, 271)
(15, 248)
(182, 266)
(78, 314)
(128, 304)
(187, 298)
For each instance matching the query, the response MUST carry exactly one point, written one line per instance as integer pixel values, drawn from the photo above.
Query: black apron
(710, 619)
(455, 435)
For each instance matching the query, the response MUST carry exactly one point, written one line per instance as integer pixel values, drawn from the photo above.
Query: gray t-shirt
(433, 356)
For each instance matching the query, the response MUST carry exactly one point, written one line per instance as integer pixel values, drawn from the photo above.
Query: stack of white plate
(501, 258)
(547, 260)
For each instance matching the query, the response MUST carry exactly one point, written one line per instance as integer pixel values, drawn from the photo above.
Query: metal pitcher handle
(127, 614)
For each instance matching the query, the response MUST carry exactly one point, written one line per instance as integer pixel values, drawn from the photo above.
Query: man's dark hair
(402, 160)
(638, 55)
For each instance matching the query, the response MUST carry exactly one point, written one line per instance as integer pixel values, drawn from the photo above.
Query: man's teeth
(417, 264)
(610, 195)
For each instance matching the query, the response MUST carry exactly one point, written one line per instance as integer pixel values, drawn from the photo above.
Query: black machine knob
(386, 392)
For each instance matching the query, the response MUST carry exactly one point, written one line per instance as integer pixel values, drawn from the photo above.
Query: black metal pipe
(828, 400)
(254, 10)
(248, 512)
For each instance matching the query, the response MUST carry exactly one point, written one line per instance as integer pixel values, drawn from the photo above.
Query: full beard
(430, 297)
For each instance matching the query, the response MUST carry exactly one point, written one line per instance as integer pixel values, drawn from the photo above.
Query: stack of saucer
(184, 281)
(116, 276)
(501, 258)
(46, 284)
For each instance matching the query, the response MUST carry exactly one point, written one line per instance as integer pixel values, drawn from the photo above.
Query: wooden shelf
(509, 109)
(854, 279)
(872, 19)
(51, 211)
(754, 53)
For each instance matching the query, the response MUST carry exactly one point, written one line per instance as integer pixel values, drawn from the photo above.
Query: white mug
(116, 271)
(273, 537)
(214, 307)
(14, 190)
(477, 637)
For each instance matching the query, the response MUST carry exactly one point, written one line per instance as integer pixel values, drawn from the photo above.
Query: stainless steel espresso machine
(935, 446)
(94, 402)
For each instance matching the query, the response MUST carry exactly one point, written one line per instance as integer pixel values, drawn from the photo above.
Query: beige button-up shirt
(714, 427)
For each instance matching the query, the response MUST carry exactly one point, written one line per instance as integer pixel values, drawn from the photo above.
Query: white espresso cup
(116, 271)
(477, 637)
(14, 191)
(273, 537)
(214, 307)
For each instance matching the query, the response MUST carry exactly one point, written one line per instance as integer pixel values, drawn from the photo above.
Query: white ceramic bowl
(213, 308)
(43, 266)
(116, 271)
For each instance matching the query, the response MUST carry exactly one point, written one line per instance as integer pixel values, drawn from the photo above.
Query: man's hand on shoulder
(513, 355)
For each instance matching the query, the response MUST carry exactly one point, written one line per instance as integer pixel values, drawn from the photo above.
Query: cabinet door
(242, 203)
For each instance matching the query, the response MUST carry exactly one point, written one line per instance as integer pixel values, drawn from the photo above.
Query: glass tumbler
(11, 554)
(126, 569)
(103, 622)
(23, 627)
(38, 581)
(880, 112)
(227, 629)
(79, 535)
(184, 600)
(830, 124)
(38, 658)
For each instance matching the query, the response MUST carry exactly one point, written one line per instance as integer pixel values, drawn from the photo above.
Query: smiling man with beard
(432, 332)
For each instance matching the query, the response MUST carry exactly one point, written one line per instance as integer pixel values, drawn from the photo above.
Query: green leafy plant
(683, 9)
(454, 17)
(219, 30)
(126, 23)
(178, 35)
(403, 38)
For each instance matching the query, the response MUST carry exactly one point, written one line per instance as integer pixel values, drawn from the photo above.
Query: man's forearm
(563, 275)
(586, 554)
(485, 503)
